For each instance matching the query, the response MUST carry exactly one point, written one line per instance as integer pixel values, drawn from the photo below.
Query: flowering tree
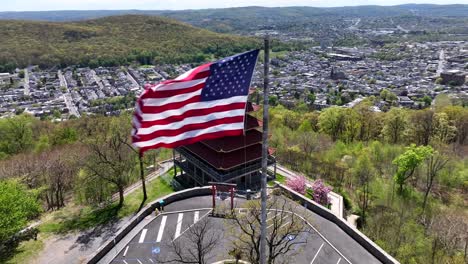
(297, 184)
(320, 192)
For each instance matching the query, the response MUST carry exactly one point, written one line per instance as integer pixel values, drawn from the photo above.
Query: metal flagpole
(264, 150)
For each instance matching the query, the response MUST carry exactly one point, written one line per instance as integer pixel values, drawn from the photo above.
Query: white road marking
(338, 260)
(142, 237)
(316, 254)
(284, 225)
(125, 261)
(139, 261)
(161, 228)
(125, 252)
(196, 216)
(179, 225)
(151, 260)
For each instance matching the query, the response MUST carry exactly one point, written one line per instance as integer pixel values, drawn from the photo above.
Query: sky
(41, 5)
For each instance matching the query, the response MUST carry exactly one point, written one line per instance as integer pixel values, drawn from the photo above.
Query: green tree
(331, 122)
(387, 96)
(395, 125)
(17, 206)
(364, 172)
(408, 162)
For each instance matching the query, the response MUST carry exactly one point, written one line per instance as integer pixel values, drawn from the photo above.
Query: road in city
(67, 96)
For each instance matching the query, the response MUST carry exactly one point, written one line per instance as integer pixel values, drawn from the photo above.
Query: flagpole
(264, 149)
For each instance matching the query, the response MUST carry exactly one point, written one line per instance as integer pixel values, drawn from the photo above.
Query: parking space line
(151, 260)
(179, 225)
(142, 237)
(161, 228)
(196, 216)
(125, 261)
(338, 260)
(125, 252)
(284, 225)
(316, 254)
(139, 261)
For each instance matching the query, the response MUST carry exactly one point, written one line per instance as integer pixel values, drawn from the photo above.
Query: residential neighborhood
(415, 72)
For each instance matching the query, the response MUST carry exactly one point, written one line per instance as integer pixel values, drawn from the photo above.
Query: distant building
(453, 77)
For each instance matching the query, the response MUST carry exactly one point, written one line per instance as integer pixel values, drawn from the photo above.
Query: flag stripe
(176, 85)
(190, 113)
(187, 141)
(189, 127)
(158, 113)
(191, 120)
(159, 93)
(189, 134)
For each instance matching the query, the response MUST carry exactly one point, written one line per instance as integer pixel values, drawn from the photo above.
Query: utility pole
(264, 149)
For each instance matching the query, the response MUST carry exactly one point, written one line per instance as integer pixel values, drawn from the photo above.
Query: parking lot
(324, 241)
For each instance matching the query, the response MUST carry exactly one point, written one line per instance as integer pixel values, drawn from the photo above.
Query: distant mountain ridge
(267, 12)
(114, 40)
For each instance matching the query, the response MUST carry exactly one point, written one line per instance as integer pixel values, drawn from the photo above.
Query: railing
(216, 175)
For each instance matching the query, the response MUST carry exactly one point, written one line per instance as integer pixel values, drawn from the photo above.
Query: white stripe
(161, 228)
(125, 252)
(151, 260)
(178, 85)
(191, 106)
(125, 261)
(170, 99)
(338, 260)
(179, 225)
(316, 254)
(196, 216)
(190, 134)
(191, 120)
(139, 261)
(283, 225)
(142, 237)
(185, 75)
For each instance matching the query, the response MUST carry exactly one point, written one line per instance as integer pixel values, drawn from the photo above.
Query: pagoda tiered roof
(228, 144)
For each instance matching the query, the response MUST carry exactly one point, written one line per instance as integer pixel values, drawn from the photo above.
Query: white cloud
(34, 5)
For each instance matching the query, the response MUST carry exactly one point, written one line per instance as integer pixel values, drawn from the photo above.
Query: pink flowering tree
(320, 192)
(297, 184)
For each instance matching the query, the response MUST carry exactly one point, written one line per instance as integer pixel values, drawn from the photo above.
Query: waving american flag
(204, 103)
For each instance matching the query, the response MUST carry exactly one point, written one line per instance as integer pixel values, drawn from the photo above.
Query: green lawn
(74, 217)
(24, 252)
(279, 178)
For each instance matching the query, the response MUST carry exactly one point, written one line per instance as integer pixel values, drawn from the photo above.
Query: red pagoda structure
(229, 160)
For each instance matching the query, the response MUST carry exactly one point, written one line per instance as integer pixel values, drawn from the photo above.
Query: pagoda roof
(251, 107)
(228, 144)
(252, 122)
(226, 160)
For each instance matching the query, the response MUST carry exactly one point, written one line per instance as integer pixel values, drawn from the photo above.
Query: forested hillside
(404, 172)
(112, 41)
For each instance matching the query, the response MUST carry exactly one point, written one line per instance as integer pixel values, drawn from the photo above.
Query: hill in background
(111, 41)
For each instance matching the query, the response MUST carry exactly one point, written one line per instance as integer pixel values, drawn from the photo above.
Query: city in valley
(413, 73)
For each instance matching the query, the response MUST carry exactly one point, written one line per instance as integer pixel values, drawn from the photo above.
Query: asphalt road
(325, 242)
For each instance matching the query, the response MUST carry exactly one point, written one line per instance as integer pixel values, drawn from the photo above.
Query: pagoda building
(233, 159)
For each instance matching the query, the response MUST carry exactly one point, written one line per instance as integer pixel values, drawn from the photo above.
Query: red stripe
(160, 93)
(196, 74)
(188, 141)
(190, 127)
(189, 113)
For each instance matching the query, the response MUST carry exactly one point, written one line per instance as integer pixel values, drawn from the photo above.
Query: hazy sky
(38, 5)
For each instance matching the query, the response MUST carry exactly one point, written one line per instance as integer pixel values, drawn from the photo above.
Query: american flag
(206, 102)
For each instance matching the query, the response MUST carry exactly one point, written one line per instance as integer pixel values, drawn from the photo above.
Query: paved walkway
(75, 247)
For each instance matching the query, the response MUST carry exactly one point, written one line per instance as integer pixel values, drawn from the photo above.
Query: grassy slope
(27, 42)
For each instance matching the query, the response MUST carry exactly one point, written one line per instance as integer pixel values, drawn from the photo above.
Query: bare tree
(284, 231)
(435, 164)
(195, 246)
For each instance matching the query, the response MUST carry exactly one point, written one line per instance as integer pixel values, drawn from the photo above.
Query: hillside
(111, 41)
